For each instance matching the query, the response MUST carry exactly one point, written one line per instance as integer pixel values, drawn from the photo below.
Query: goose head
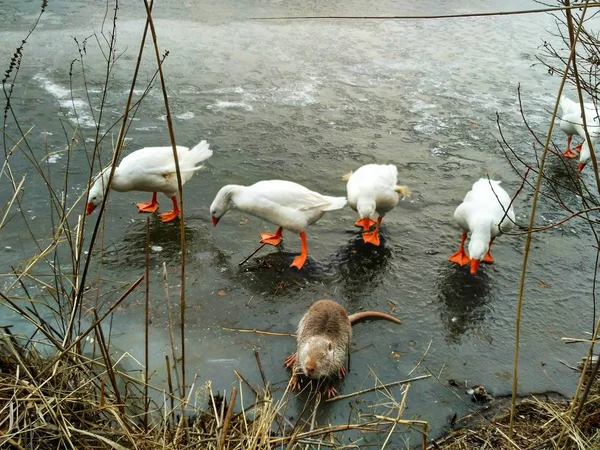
(477, 250)
(222, 203)
(96, 194)
(479, 244)
(366, 207)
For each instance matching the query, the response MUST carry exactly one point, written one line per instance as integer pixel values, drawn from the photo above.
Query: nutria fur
(324, 335)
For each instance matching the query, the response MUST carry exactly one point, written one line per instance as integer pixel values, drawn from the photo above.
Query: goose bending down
(593, 128)
(284, 203)
(480, 213)
(571, 122)
(373, 188)
(151, 169)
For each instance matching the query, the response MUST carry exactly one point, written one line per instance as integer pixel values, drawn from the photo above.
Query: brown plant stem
(179, 187)
(529, 236)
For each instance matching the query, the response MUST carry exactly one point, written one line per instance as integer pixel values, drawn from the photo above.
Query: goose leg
(148, 207)
(460, 257)
(372, 237)
(568, 153)
(366, 223)
(301, 258)
(577, 148)
(270, 238)
(170, 215)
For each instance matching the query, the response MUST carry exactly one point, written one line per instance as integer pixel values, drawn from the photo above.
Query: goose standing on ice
(571, 122)
(151, 169)
(284, 203)
(480, 213)
(373, 188)
(593, 129)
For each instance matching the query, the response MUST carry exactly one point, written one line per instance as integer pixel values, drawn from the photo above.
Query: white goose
(284, 203)
(150, 169)
(373, 188)
(571, 123)
(481, 211)
(593, 128)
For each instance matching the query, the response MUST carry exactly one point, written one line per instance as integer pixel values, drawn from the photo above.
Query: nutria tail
(372, 315)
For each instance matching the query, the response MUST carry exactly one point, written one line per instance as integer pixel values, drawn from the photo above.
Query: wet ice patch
(183, 116)
(227, 90)
(220, 105)
(53, 89)
(148, 128)
(53, 158)
(438, 151)
(77, 110)
(294, 94)
(429, 124)
(420, 105)
(536, 119)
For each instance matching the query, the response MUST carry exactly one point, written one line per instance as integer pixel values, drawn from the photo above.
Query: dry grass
(53, 394)
(81, 403)
(538, 425)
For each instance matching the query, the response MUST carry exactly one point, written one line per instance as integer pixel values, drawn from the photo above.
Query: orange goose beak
(474, 266)
(89, 208)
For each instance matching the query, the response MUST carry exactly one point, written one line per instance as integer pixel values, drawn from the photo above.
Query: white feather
(374, 185)
(284, 203)
(480, 213)
(151, 169)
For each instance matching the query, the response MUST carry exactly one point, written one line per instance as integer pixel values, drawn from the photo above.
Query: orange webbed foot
(168, 216)
(371, 237)
(577, 148)
(290, 361)
(460, 257)
(147, 207)
(270, 238)
(488, 258)
(330, 391)
(301, 258)
(569, 154)
(299, 261)
(366, 223)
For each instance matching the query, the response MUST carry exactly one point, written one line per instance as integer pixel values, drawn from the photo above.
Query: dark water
(309, 101)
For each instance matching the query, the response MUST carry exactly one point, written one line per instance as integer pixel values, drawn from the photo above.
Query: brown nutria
(324, 335)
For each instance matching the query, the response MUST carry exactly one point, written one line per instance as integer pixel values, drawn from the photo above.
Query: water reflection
(271, 275)
(164, 240)
(562, 172)
(361, 267)
(462, 299)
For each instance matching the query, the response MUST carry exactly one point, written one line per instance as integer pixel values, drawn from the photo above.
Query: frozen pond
(309, 101)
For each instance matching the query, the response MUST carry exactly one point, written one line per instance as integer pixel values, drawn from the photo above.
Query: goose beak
(474, 266)
(215, 221)
(89, 208)
(580, 167)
